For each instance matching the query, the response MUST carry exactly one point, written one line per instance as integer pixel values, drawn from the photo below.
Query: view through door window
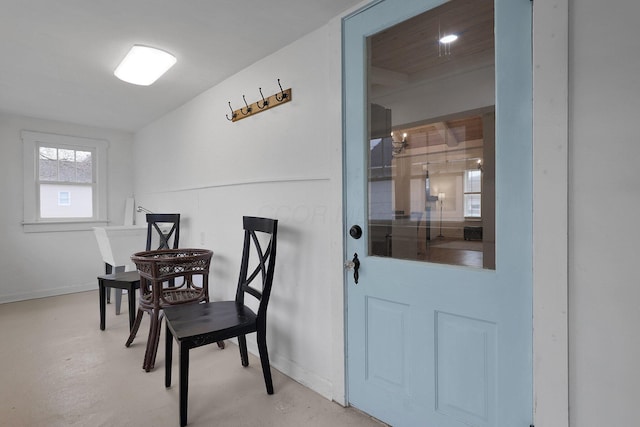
(432, 137)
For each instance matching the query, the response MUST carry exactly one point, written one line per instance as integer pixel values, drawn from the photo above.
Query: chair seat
(209, 322)
(126, 280)
(122, 280)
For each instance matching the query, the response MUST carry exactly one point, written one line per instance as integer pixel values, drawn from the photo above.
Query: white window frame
(31, 219)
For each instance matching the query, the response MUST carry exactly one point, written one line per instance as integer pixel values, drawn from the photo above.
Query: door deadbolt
(355, 232)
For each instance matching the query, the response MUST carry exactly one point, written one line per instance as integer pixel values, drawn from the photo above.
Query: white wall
(449, 95)
(604, 201)
(284, 163)
(35, 265)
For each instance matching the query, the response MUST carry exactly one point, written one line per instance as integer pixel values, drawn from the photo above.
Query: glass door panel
(431, 168)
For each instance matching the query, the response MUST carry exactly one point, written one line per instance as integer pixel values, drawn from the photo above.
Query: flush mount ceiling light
(444, 47)
(450, 38)
(143, 65)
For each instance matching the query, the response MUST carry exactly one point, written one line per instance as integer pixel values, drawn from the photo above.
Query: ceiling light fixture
(449, 38)
(444, 47)
(143, 65)
(398, 146)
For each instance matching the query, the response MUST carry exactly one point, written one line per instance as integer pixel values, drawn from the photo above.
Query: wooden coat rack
(259, 106)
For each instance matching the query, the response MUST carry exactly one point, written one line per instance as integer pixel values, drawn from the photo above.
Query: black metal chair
(196, 325)
(130, 280)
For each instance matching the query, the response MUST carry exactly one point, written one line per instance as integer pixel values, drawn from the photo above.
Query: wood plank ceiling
(395, 64)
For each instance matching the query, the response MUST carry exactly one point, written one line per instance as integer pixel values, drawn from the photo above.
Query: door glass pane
(432, 139)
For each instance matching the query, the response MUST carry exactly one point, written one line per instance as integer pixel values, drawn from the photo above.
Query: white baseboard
(43, 293)
(320, 385)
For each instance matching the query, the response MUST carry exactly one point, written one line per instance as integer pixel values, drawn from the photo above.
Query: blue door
(438, 211)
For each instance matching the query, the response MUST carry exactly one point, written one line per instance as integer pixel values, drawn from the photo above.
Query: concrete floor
(58, 369)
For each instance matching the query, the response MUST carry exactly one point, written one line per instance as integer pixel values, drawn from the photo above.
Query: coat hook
(265, 103)
(248, 108)
(283, 95)
(233, 115)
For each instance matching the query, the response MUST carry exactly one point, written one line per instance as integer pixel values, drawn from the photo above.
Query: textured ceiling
(58, 56)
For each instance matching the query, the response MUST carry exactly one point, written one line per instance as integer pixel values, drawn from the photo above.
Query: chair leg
(264, 360)
(135, 328)
(242, 344)
(168, 356)
(184, 383)
(131, 296)
(102, 298)
(118, 300)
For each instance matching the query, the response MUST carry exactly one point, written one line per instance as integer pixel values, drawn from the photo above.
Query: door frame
(550, 238)
(550, 200)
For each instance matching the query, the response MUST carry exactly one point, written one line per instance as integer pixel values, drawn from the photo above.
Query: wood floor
(468, 258)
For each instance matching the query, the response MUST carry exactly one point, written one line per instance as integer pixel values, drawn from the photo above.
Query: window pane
(67, 165)
(48, 164)
(472, 204)
(64, 198)
(473, 181)
(84, 165)
(57, 164)
(80, 198)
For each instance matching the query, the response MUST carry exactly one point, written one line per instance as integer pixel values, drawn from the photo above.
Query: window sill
(55, 226)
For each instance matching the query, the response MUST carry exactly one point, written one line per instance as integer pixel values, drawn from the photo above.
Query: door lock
(354, 265)
(355, 232)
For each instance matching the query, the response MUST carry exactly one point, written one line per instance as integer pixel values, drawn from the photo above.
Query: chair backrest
(265, 257)
(168, 240)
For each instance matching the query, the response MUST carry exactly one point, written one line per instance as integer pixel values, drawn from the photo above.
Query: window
(472, 193)
(64, 198)
(64, 182)
(61, 173)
